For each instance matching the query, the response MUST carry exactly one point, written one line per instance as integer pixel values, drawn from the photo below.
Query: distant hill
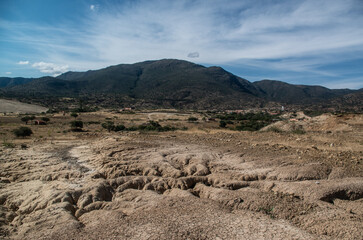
(10, 82)
(278, 91)
(169, 83)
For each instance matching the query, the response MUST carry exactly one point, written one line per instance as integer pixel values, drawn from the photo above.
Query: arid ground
(205, 182)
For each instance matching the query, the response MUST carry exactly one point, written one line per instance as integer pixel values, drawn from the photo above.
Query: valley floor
(195, 184)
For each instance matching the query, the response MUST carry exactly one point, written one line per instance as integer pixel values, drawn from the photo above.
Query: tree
(77, 125)
(26, 119)
(75, 115)
(23, 132)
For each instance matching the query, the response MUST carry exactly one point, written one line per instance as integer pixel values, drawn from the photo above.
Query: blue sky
(315, 42)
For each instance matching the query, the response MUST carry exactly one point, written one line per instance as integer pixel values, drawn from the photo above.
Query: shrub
(119, 128)
(192, 119)
(23, 132)
(45, 119)
(76, 126)
(222, 124)
(108, 125)
(75, 115)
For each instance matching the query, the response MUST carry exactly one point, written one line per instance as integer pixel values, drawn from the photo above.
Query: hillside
(9, 82)
(288, 93)
(168, 83)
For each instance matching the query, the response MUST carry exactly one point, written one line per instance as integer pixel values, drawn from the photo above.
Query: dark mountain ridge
(170, 83)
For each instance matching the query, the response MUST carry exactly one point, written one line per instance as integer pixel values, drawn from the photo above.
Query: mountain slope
(9, 82)
(278, 91)
(169, 83)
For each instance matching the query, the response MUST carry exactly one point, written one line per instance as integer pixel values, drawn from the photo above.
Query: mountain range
(173, 83)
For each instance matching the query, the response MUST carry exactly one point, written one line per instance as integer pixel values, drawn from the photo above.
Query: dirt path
(167, 187)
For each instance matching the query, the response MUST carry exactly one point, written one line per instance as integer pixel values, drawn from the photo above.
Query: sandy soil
(195, 184)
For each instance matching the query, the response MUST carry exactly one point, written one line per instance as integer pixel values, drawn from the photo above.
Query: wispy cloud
(23, 62)
(50, 68)
(8, 73)
(193, 55)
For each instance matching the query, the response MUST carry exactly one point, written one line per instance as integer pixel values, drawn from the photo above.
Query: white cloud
(8, 73)
(50, 68)
(304, 34)
(23, 62)
(193, 55)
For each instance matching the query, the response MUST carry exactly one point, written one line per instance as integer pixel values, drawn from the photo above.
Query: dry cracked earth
(185, 185)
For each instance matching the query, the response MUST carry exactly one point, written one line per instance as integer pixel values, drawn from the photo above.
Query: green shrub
(23, 132)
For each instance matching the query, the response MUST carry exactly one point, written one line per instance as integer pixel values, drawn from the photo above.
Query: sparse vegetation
(298, 131)
(7, 144)
(155, 126)
(248, 121)
(22, 132)
(75, 115)
(150, 126)
(275, 129)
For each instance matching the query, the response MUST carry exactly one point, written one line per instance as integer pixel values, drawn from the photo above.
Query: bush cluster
(23, 132)
(260, 116)
(150, 126)
(248, 121)
(110, 126)
(251, 125)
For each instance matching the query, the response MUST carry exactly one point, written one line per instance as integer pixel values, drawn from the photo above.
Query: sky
(312, 42)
